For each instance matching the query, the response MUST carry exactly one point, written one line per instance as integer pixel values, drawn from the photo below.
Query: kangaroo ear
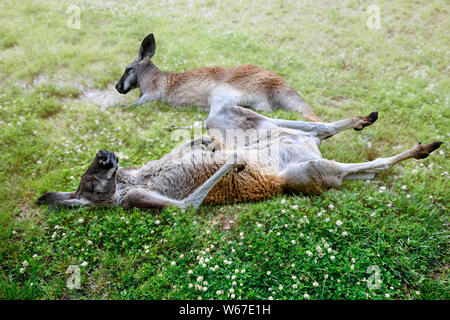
(148, 47)
(54, 198)
(57, 199)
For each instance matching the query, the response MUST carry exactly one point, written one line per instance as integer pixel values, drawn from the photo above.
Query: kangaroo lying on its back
(272, 156)
(210, 87)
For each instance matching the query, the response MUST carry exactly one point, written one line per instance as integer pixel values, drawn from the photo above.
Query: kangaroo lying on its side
(274, 156)
(210, 87)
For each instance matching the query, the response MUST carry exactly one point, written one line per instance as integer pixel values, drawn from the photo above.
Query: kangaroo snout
(119, 87)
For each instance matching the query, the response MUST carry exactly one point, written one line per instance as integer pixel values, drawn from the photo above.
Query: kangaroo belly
(246, 186)
(178, 179)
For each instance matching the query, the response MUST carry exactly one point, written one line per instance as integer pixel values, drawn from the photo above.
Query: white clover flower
(205, 288)
(294, 286)
(315, 284)
(293, 241)
(190, 285)
(35, 256)
(25, 263)
(344, 233)
(332, 257)
(280, 287)
(309, 253)
(330, 250)
(234, 283)
(243, 271)
(200, 279)
(352, 267)
(84, 264)
(331, 206)
(339, 223)
(81, 220)
(22, 270)
(231, 290)
(241, 234)
(157, 222)
(270, 298)
(387, 295)
(173, 263)
(268, 273)
(232, 296)
(208, 232)
(89, 242)
(306, 296)
(283, 201)
(218, 292)
(404, 187)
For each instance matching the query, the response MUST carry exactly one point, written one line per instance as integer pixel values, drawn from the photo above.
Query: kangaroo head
(129, 79)
(97, 185)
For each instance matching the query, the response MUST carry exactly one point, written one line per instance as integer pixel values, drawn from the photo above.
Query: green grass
(50, 129)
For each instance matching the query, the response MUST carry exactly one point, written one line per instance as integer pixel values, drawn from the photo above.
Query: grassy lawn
(384, 239)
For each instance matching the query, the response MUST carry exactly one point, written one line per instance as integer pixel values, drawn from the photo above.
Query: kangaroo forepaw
(424, 150)
(367, 121)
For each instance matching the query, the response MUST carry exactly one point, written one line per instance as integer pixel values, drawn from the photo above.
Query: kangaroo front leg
(143, 199)
(196, 198)
(142, 100)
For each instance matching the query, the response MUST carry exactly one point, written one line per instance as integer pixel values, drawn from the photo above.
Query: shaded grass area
(290, 247)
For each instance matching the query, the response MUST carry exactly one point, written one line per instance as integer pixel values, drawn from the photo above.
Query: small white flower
(345, 233)
(157, 222)
(387, 295)
(270, 298)
(331, 206)
(294, 286)
(190, 285)
(309, 253)
(234, 283)
(84, 264)
(89, 242)
(200, 279)
(268, 273)
(293, 241)
(280, 287)
(25, 263)
(231, 290)
(22, 270)
(332, 257)
(315, 284)
(306, 296)
(232, 296)
(218, 292)
(35, 256)
(339, 223)
(352, 267)
(81, 220)
(173, 263)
